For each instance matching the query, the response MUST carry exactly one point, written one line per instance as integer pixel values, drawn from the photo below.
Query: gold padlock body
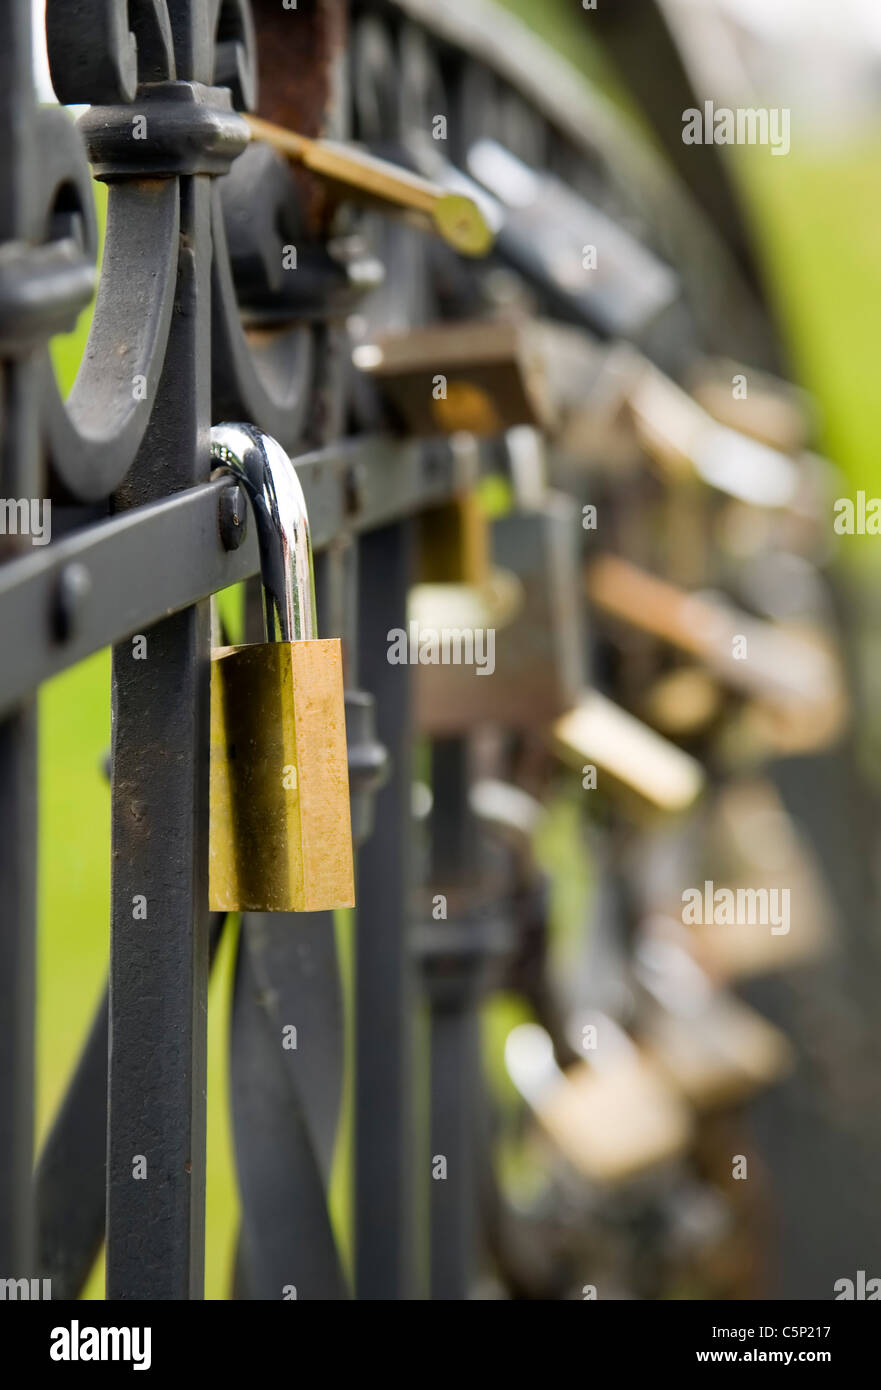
(280, 836)
(453, 543)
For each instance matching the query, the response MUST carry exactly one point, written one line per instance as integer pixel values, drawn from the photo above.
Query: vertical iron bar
(18, 882)
(455, 1037)
(159, 966)
(285, 1104)
(383, 990)
(70, 1178)
(455, 1067)
(18, 740)
(20, 477)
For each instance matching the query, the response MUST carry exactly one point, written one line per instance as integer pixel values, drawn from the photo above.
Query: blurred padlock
(612, 1119)
(551, 236)
(480, 377)
(650, 774)
(713, 1047)
(280, 827)
(610, 404)
(791, 670)
(530, 666)
(772, 411)
(593, 271)
(719, 1057)
(453, 542)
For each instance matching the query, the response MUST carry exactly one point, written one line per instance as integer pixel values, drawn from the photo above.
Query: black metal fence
(191, 327)
(125, 460)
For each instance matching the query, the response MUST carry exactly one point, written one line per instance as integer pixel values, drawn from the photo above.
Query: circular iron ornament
(120, 57)
(104, 51)
(235, 53)
(267, 376)
(94, 435)
(101, 50)
(47, 280)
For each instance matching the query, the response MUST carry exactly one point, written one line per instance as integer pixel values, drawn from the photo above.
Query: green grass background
(818, 215)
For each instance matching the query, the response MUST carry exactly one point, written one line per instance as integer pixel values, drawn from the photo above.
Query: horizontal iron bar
(140, 566)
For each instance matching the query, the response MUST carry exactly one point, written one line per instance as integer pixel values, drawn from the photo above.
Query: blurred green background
(818, 217)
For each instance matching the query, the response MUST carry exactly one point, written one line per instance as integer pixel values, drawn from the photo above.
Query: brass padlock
(649, 774)
(480, 376)
(280, 829)
(453, 542)
(530, 666)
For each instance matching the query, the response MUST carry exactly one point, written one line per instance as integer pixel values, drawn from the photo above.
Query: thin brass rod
(456, 218)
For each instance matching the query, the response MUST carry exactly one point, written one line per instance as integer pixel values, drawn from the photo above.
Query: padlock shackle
(265, 471)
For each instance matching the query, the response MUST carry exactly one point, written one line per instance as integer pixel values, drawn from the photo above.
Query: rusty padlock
(280, 830)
